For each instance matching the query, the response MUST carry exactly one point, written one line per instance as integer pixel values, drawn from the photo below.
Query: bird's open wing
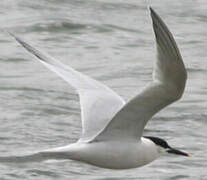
(98, 102)
(169, 77)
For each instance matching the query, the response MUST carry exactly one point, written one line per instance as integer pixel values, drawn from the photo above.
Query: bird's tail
(32, 157)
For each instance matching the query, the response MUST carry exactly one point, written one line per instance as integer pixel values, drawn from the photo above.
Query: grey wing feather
(169, 78)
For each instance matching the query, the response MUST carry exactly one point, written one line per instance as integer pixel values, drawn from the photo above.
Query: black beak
(175, 151)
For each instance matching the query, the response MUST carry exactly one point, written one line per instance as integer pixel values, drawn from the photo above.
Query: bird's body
(110, 154)
(112, 129)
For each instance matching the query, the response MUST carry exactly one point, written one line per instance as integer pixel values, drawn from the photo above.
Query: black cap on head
(162, 143)
(158, 141)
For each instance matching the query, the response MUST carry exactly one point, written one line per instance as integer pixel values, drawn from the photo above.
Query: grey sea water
(111, 41)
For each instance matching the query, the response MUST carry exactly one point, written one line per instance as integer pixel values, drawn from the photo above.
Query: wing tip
(155, 17)
(19, 40)
(158, 23)
(151, 9)
(13, 35)
(153, 13)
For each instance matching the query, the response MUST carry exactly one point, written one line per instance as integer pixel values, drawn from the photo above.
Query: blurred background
(113, 42)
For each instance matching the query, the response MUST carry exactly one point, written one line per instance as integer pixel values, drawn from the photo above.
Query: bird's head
(164, 147)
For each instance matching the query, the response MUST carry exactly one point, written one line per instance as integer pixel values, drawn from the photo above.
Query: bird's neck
(151, 151)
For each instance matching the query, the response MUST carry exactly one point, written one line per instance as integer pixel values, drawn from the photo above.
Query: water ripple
(37, 172)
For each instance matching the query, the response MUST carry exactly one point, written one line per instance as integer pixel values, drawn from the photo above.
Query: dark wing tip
(29, 48)
(13, 35)
(163, 35)
(150, 8)
(155, 17)
(17, 39)
(152, 11)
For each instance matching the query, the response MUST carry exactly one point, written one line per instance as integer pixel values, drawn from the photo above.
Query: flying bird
(112, 128)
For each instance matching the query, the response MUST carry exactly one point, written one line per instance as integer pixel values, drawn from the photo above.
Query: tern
(112, 128)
